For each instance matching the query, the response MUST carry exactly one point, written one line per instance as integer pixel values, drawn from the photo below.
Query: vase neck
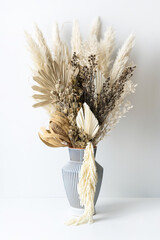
(77, 155)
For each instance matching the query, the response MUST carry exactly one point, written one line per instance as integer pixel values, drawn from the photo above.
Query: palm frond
(87, 121)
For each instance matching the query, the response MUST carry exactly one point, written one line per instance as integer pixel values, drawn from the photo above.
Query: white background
(130, 156)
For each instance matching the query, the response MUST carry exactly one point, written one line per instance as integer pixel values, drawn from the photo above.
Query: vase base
(78, 211)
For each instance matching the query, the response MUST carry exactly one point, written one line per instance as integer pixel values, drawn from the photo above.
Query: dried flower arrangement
(85, 92)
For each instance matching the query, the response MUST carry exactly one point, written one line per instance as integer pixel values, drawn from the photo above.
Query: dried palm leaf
(87, 121)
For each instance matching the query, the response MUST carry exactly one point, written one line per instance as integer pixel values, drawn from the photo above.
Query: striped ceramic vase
(70, 173)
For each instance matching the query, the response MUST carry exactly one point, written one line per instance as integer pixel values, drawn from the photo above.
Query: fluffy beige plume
(95, 29)
(35, 51)
(56, 42)
(86, 187)
(61, 56)
(122, 58)
(41, 54)
(47, 73)
(43, 46)
(60, 49)
(94, 37)
(76, 40)
(90, 47)
(87, 121)
(106, 48)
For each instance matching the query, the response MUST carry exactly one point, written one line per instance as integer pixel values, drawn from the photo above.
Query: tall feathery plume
(91, 45)
(35, 51)
(94, 36)
(88, 175)
(122, 58)
(56, 43)
(43, 46)
(106, 48)
(43, 72)
(60, 49)
(76, 40)
(95, 29)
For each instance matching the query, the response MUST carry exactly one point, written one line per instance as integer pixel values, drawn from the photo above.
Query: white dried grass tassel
(86, 187)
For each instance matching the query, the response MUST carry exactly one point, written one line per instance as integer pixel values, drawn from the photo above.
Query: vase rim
(80, 148)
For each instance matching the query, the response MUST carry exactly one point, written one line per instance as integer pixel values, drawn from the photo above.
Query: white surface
(130, 156)
(116, 219)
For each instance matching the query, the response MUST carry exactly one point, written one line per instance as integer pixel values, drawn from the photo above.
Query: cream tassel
(86, 187)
